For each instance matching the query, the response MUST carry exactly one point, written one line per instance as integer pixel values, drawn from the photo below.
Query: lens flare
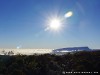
(68, 14)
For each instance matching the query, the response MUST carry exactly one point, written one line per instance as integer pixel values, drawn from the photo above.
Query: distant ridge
(70, 49)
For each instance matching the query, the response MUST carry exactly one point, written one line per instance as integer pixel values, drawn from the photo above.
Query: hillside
(50, 64)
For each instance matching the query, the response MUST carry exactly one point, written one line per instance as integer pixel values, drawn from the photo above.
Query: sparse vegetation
(7, 53)
(50, 64)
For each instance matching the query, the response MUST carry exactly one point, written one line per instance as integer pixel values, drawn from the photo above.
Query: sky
(24, 23)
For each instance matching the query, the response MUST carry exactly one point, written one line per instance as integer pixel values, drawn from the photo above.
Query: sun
(55, 24)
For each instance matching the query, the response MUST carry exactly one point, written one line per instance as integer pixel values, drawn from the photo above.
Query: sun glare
(55, 24)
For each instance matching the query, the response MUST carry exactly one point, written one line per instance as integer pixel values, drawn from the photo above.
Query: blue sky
(23, 23)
